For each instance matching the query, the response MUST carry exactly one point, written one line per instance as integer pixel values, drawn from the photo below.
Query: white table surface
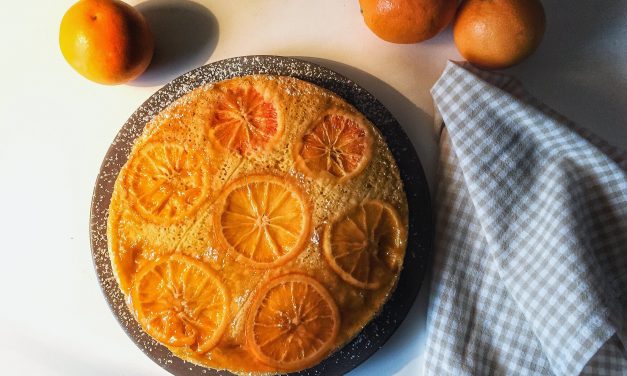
(55, 128)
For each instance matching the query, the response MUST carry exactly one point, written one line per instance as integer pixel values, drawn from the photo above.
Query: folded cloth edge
(510, 86)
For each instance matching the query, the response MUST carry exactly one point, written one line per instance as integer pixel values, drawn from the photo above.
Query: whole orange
(496, 34)
(107, 41)
(407, 21)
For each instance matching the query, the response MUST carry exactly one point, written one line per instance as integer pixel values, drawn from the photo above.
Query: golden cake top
(258, 225)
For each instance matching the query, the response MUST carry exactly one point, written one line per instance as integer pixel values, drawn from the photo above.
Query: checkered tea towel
(530, 268)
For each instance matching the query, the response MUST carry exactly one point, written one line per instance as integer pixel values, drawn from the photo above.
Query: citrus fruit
(244, 120)
(407, 21)
(264, 219)
(166, 181)
(181, 302)
(499, 33)
(365, 246)
(106, 41)
(336, 146)
(292, 323)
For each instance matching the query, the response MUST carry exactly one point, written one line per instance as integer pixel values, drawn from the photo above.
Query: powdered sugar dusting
(377, 331)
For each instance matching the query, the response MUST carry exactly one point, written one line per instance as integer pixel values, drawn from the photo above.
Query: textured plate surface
(377, 332)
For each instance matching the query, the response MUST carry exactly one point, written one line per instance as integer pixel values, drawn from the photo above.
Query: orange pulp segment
(292, 323)
(336, 146)
(264, 219)
(365, 246)
(181, 302)
(244, 121)
(167, 181)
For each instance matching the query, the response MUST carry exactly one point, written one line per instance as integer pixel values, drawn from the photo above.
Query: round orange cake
(259, 224)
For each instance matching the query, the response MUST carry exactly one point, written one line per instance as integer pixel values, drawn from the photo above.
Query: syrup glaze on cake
(258, 225)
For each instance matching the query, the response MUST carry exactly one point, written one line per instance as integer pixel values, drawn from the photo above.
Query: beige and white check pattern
(530, 269)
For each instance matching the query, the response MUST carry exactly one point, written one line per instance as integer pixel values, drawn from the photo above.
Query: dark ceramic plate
(377, 332)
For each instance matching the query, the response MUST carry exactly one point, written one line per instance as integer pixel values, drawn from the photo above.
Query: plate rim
(179, 366)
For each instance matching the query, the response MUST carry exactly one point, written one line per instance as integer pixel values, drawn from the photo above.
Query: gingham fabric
(530, 265)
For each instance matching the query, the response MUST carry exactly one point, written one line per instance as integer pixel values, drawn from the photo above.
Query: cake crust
(235, 148)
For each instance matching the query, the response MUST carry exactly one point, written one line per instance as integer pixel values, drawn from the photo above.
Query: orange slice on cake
(244, 121)
(337, 147)
(365, 246)
(180, 301)
(167, 182)
(292, 323)
(264, 219)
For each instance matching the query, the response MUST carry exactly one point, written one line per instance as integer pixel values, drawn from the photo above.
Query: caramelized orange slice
(337, 146)
(244, 121)
(365, 246)
(167, 182)
(292, 323)
(264, 219)
(181, 302)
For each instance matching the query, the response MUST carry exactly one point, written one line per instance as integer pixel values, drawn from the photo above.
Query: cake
(258, 225)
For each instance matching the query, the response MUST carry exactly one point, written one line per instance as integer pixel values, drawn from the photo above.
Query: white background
(55, 128)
